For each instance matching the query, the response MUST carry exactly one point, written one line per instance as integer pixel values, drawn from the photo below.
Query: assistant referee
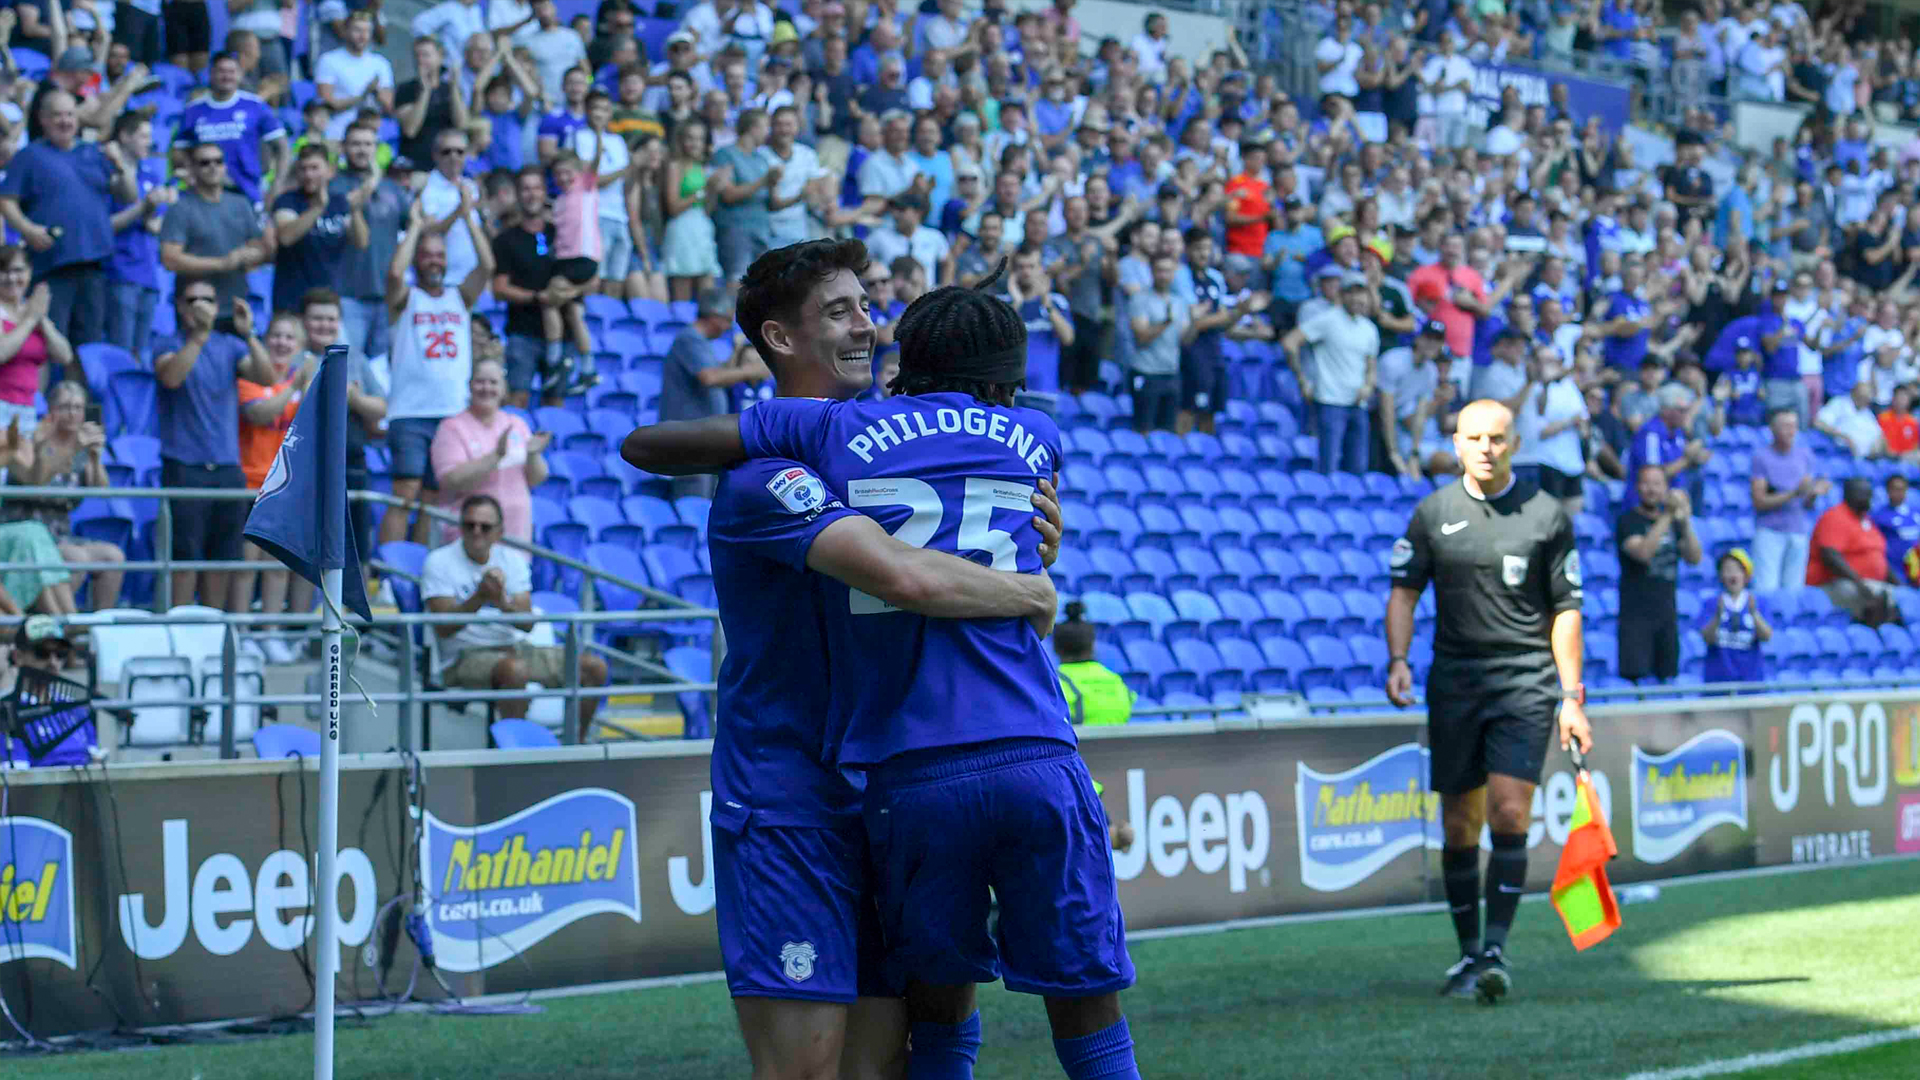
(1506, 658)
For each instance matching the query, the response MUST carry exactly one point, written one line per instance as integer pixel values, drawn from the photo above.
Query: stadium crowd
(1699, 348)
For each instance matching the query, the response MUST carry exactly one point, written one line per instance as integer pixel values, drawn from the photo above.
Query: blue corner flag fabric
(300, 516)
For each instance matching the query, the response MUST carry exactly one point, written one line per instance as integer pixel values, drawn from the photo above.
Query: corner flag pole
(328, 952)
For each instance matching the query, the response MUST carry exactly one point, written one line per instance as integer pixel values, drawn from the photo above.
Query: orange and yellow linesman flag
(1580, 891)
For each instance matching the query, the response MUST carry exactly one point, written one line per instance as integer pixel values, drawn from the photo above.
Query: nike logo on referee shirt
(1449, 530)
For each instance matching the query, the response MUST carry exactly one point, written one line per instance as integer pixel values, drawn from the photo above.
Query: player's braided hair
(949, 326)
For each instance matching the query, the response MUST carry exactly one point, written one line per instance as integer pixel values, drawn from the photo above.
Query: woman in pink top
(486, 451)
(28, 339)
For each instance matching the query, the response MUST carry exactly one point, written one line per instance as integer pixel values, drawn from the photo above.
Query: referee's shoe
(1492, 980)
(1461, 977)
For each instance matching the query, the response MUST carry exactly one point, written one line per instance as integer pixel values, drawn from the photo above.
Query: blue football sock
(944, 1051)
(1103, 1055)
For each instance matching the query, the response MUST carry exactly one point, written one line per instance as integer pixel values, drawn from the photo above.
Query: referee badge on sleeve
(1572, 568)
(1401, 555)
(1513, 570)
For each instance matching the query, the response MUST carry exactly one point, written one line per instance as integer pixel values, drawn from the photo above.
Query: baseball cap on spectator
(39, 628)
(680, 37)
(968, 171)
(1094, 123)
(1434, 328)
(783, 32)
(1353, 279)
(1744, 344)
(1330, 270)
(1241, 264)
(76, 58)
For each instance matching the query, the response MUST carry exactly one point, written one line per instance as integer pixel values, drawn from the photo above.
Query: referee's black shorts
(1490, 715)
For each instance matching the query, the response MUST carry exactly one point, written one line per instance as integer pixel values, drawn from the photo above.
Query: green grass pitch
(1712, 970)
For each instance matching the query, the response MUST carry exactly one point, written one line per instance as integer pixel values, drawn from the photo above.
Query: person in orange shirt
(1249, 204)
(1452, 292)
(1849, 560)
(1901, 429)
(265, 414)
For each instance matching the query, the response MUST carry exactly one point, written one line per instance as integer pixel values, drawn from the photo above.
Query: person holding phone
(68, 451)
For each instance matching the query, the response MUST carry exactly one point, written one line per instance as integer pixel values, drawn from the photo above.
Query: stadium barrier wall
(173, 893)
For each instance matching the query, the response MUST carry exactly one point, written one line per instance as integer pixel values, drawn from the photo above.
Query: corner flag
(300, 517)
(1581, 893)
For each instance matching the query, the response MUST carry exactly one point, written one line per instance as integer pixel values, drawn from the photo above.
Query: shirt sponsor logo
(1907, 825)
(1353, 823)
(36, 891)
(798, 490)
(1679, 795)
(503, 887)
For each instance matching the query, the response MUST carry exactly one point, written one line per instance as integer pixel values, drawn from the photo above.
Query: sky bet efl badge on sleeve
(36, 891)
(798, 490)
(498, 889)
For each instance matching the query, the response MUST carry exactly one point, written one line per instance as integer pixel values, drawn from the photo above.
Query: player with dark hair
(972, 779)
(1506, 665)
(798, 932)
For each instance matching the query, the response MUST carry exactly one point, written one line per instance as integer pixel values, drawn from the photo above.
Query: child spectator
(1736, 628)
(577, 247)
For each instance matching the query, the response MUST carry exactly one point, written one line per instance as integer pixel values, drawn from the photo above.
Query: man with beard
(363, 271)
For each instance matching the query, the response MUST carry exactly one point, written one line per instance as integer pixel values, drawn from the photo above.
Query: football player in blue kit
(958, 727)
(798, 931)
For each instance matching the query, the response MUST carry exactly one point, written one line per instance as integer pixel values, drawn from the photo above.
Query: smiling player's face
(834, 333)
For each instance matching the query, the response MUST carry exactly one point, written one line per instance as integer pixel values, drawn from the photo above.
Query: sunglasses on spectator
(481, 527)
(206, 163)
(451, 151)
(53, 650)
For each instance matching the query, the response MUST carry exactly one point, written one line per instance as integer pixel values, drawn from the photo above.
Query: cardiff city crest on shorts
(796, 960)
(1513, 570)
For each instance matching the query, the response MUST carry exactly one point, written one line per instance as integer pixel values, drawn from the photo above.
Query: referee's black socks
(1460, 867)
(1506, 881)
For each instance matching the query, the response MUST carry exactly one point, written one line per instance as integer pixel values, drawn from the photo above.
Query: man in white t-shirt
(556, 50)
(430, 334)
(1338, 377)
(476, 575)
(1448, 76)
(1150, 47)
(908, 236)
(1851, 421)
(800, 169)
(1549, 420)
(353, 75)
(1338, 57)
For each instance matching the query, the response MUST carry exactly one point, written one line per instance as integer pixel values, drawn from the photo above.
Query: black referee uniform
(1501, 569)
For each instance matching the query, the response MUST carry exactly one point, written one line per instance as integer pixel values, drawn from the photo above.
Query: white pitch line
(1729, 1066)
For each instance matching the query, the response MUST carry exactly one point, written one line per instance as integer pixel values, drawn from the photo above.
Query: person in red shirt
(1452, 292)
(1849, 560)
(1901, 429)
(1249, 204)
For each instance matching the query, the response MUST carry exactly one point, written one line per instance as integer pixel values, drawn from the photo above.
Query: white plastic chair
(150, 678)
(249, 679)
(198, 640)
(124, 639)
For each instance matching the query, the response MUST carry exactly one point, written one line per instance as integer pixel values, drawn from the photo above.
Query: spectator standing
(452, 23)
(1081, 261)
(244, 127)
(58, 182)
(200, 435)
(352, 76)
(1338, 377)
(1249, 204)
(68, 451)
(1048, 319)
(911, 237)
(363, 270)
(558, 126)
(133, 283)
(694, 380)
(556, 49)
(487, 450)
(28, 340)
(800, 169)
(1453, 292)
(1203, 365)
(366, 401)
(1652, 537)
(429, 103)
(478, 574)
(1849, 560)
(189, 32)
(1448, 77)
(432, 359)
(611, 165)
(266, 412)
(1159, 319)
(1736, 628)
(525, 281)
(1785, 488)
(746, 181)
(1899, 522)
(1411, 390)
(314, 226)
(688, 252)
(446, 197)
(212, 233)
(1551, 415)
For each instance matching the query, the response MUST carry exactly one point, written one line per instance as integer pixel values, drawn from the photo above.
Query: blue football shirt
(772, 724)
(948, 472)
(241, 126)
